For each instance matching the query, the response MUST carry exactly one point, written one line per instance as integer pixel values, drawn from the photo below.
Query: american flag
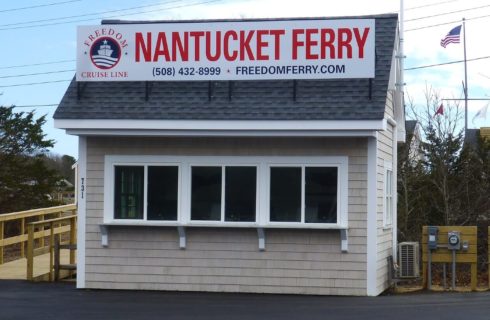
(452, 37)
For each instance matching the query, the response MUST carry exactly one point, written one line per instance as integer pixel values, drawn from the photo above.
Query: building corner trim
(371, 254)
(81, 185)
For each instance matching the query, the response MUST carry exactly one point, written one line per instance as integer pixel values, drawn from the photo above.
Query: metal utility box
(454, 240)
(446, 253)
(408, 259)
(432, 237)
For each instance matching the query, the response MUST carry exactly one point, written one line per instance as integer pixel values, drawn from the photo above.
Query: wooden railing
(23, 218)
(57, 226)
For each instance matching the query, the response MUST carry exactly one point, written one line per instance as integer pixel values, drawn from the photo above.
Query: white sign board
(238, 50)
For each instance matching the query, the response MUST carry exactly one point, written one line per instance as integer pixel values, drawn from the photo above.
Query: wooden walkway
(17, 269)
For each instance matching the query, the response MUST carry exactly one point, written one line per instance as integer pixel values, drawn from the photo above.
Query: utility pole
(465, 80)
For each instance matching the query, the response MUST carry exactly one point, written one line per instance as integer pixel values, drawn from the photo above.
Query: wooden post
(30, 252)
(51, 251)
(2, 228)
(74, 227)
(57, 259)
(424, 265)
(22, 232)
(42, 229)
(474, 274)
(60, 214)
(73, 238)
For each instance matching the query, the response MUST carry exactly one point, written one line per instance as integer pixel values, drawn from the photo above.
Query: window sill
(271, 225)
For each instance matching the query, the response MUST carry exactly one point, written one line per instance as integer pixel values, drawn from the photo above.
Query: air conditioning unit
(408, 260)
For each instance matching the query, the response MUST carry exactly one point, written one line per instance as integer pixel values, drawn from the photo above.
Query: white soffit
(221, 125)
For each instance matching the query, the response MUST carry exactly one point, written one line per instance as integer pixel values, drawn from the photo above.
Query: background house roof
(471, 137)
(333, 99)
(410, 126)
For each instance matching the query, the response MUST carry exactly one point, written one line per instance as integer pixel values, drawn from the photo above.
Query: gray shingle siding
(337, 99)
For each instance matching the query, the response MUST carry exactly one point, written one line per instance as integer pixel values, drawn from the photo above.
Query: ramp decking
(17, 269)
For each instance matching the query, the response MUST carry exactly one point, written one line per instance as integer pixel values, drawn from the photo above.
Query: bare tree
(435, 188)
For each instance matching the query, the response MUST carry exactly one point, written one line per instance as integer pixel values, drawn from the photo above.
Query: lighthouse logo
(105, 53)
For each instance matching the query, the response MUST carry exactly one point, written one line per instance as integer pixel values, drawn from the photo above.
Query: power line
(88, 14)
(115, 16)
(446, 13)
(407, 69)
(73, 70)
(445, 63)
(430, 5)
(36, 105)
(39, 6)
(444, 23)
(476, 99)
(33, 83)
(36, 74)
(37, 64)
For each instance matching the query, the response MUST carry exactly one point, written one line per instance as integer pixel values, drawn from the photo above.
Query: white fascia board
(222, 133)
(220, 125)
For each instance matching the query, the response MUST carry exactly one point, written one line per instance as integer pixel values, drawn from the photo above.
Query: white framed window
(293, 192)
(144, 192)
(303, 194)
(388, 196)
(223, 193)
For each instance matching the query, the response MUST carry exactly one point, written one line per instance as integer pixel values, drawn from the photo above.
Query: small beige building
(267, 186)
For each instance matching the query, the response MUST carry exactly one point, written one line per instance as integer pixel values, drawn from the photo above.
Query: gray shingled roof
(410, 126)
(344, 99)
(471, 137)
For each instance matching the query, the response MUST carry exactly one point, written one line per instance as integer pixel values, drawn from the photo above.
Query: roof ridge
(373, 16)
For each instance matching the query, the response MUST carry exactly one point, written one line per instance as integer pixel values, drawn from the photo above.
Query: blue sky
(47, 48)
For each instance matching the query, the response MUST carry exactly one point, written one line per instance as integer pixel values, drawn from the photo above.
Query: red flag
(440, 110)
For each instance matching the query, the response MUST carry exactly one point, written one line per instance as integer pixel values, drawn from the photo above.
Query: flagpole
(465, 81)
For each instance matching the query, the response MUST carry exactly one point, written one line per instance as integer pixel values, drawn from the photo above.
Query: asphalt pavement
(26, 300)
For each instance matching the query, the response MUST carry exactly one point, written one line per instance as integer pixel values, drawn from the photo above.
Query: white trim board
(217, 125)
(395, 190)
(82, 213)
(372, 231)
(220, 133)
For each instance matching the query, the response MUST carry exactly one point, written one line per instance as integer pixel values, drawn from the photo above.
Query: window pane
(240, 193)
(206, 193)
(320, 195)
(285, 193)
(128, 191)
(162, 193)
